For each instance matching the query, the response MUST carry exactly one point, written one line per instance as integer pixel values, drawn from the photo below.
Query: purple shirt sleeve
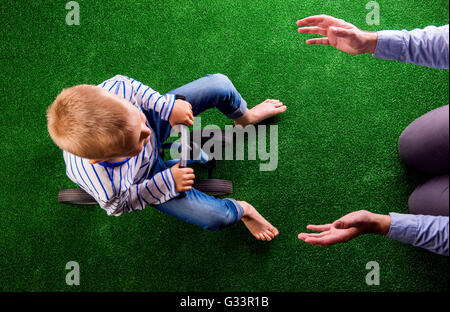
(429, 232)
(427, 47)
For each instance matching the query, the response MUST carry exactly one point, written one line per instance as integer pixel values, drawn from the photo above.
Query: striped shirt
(125, 186)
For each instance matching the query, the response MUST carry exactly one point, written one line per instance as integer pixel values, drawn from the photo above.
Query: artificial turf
(337, 145)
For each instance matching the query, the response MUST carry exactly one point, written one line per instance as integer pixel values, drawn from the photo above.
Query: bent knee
(431, 198)
(221, 82)
(406, 143)
(423, 153)
(220, 77)
(424, 143)
(222, 86)
(414, 203)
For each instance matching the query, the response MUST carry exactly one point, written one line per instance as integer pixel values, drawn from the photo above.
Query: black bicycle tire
(213, 187)
(225, 139)
(75, 196)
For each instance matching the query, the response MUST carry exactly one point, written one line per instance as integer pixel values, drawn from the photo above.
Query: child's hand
(181, 114)
(184, 178)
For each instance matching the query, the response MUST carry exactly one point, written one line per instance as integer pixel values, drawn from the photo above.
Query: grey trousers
(424, 145)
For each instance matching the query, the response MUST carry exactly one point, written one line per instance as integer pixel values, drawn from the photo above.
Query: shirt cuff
(390, 45)
(170, 101)
(170, 180)
(403, 228)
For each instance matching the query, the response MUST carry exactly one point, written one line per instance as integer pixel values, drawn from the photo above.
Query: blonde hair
(88, 122)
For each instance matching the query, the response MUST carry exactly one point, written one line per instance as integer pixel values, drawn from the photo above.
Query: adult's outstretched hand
(339, 34)
(346, 228)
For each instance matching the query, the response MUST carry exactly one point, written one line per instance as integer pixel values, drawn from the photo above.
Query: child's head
(92, 123)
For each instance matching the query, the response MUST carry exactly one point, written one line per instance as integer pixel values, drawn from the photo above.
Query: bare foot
(256, 224)
(266, 109)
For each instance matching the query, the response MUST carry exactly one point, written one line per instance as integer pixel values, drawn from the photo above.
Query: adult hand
(181, 113)
(339, 34)
(346, 228)
(183, 177)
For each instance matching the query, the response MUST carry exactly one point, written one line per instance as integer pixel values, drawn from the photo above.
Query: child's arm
(138, 93)
(150, 99)
(154, 191)
(168, 106)
(157, 190)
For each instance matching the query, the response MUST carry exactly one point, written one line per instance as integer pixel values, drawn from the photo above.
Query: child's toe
(268, 238)
(274, 231)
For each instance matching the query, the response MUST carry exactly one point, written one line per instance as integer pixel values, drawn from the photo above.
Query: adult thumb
(343, 224)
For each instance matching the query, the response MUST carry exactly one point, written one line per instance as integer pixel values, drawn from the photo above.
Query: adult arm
(427, 47)
(427, 232)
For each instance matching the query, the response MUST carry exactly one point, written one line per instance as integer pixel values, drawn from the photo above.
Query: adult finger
(346, 223)
(336, 238)
(322, 241)
(318, 41)
(353, 219)
(316, 19)
(312, 241)
(317, 228)
(317, 235)
(313, 30)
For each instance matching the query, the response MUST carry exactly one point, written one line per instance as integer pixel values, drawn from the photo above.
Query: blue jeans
(196, 207)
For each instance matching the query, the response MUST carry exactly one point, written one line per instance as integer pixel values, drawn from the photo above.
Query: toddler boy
(110, 135)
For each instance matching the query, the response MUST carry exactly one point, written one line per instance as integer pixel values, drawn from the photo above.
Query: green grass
(337, 145)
